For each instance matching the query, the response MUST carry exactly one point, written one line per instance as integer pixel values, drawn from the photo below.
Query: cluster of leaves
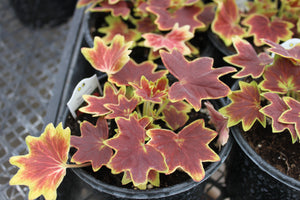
(152, 133)
(272, 93)
(275, 20)
(154, 24)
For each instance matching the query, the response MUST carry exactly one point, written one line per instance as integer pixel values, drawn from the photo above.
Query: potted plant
(264, 115)
(254, 20)
(147, 127)
(141, 21)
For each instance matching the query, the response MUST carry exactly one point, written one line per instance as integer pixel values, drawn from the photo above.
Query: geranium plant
(259, 19)
(270, 89)
(153, 24)
(156, 113)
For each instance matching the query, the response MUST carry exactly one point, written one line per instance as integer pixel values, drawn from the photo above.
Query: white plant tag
(85, 86)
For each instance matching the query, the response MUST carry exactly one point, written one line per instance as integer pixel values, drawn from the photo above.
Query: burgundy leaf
(90, 146)
(197, 79)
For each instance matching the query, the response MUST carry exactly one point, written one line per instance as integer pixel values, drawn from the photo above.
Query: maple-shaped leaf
(44, 168)
(152, 91)
(197, 79)
(291, 116)
(276, 107)
(123, 109)
(207, 14)
(132, 72)
(292, 53)
(226, 22)
(108, 59)
(186, 15)
(187, 149)
(282, 76)
(175, 114)
(246, 58)
(90, 146)
(118, 9)
(131, 152)
(244, 107)
(96, 104)
(261, 27)
(117, 26)
(219, 122)
(174, 39)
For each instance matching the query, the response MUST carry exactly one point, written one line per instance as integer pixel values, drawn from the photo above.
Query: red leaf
(226, 22)
(173, 39)
(244, 107)
(44, 168)
(274, 110)
(207, 15)
(186, 15)
(117, 26)
(281, 77)
(292, 53)
(291, 116)
(82, 3)
(118, 9)
(187, 149)
(153, 178)
(90, 146)
(96, 104)
(131, 152)
(219, 122)
(152, 91)
(262, 28)
(174, 118)
(123, 109)
(132, 73)
(246, 58)
(197, 79)
(108, 59)
(146, 25)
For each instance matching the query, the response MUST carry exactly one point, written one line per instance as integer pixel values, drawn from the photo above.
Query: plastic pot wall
(250, 177)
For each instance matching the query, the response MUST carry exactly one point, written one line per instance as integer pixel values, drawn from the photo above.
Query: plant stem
(78, 165)
(161, 108)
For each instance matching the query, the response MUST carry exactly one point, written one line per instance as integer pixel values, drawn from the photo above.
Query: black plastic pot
(250, 177)
(38, 13)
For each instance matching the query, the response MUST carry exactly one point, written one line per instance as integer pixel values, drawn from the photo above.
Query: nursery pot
(249, 176)
(191, 190)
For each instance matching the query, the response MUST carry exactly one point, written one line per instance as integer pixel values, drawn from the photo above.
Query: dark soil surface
(277, 149)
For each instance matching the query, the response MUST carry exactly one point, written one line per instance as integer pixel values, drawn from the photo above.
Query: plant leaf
(96, 104)
(244, 107)
(131, 152)
(117, 9)
(153, 178)
(291, 116)
(226, 22)
(292, 53)
(246, 58)
(117, 26)
(44, 168)
(186, 15)
(108, 59)
(274, 110)
(282, 76)
(90, 146)
(187, 149)
(219, 122)
(152, 91)
(132, 72)
(197, 79)
(123, 109)
(82, 3)
(173, 39)
(261, 27)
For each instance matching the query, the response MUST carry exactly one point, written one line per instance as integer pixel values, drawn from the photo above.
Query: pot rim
(257, 159)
